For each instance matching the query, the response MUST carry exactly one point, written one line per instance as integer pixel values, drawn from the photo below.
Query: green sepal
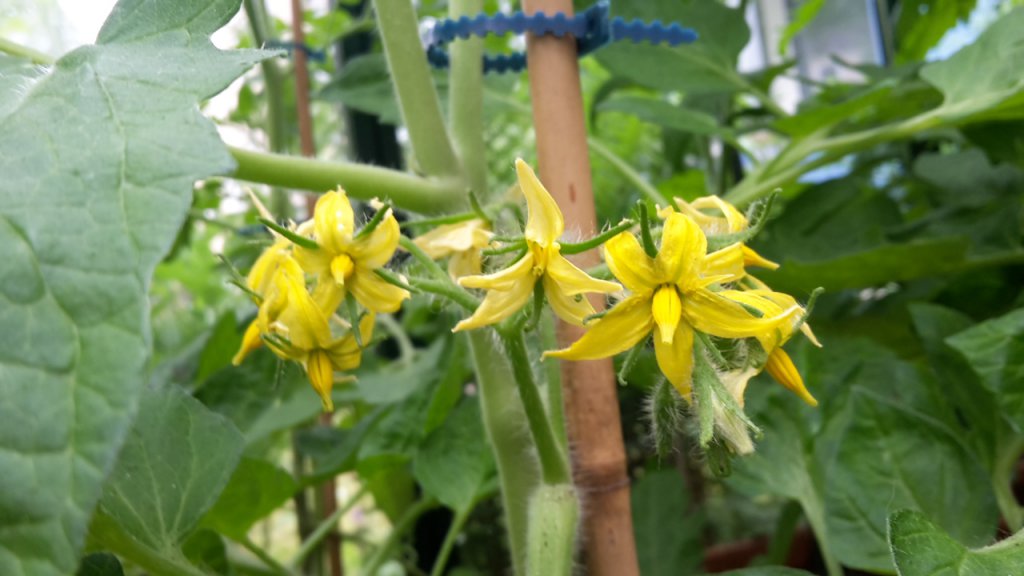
(291, 236)
(576, 248)
(374, 221)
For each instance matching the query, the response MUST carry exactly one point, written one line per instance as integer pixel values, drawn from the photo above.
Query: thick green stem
(417, 97)
(504, 423)
(466, 99)
(359, 180)
(554, 517)
(554, 465)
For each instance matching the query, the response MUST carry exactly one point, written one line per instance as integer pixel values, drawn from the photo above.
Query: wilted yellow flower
(671, 295)
(302, 332)
(345, 260)
(460, 242)
(564, 284)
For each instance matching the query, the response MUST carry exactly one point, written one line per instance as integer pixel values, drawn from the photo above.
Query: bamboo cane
(591, 403)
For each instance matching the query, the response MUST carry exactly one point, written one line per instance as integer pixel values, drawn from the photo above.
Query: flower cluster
(690, 293)
(301, 281)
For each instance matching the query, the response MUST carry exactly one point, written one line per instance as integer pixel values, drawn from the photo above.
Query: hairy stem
(32, 55)
(466, 99)
(360, 181)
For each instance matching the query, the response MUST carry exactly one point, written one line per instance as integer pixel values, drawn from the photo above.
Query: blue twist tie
(591, 29)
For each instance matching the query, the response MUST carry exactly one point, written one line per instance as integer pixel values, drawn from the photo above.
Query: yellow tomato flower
(460, 242)
(345, 261)
(729, 220)
(564, 284)
(302, 332)
(671, 295)
(264, 281)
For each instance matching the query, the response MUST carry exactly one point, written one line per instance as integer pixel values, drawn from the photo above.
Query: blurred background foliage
(901, 169)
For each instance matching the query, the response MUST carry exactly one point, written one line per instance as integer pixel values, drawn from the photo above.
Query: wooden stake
(591, 401)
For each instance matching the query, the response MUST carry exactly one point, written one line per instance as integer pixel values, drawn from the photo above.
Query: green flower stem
(360, 181)
(503, 419)
(417, 97)
(458, 521)
(576, 248)
(432, 268)
(554, 465)
(452, 219)
(553, 374)
(30, 54)
(466, 99)
(325, 527)
(267, 559)
(404, 524)
(554, 517)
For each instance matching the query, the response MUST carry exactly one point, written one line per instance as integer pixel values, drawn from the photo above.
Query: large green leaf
(922, 23)
(98, 158)
(889, 456)
(708, 65)
(986, 79)
(176, 460)
(454, 464)
(668, 533)
(921, 549)
(995, 351)
(664, 114)
(256, 489)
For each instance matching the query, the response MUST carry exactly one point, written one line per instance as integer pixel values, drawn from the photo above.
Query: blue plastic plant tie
(311, 53)
(591, 29)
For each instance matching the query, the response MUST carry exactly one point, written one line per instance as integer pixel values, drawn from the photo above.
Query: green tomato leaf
(98, 158)
(919, 548)
(100, 564)
(995, 351)
(706, 66)
(255, 490)
(664, 114)
(922, 23)
(454, 464)
(983, 81)
(766, 571)
(668, 534)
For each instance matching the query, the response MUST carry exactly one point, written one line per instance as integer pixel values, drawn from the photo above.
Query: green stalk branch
(325, 527)
(404, 524)
(554, 465)
(32, 55)
(359, 180)
(267, 559)
(458, 521)
(466, 99)
(417, 97)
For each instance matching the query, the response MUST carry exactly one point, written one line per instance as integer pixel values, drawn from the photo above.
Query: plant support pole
(591, 403)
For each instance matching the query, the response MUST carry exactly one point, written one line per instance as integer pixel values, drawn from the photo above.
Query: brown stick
(328, 496)
(591, 403)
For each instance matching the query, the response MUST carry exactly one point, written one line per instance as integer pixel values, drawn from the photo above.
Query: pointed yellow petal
(675, 357)
(306, 323)
(572, 281)
(712, 313)
(630, 264)
(463, 264)
(544, 223)
(770, 304)
(519, 272)
(321, 376)
(262, 271)
(453, 238)
(328, 294)
(572, 309)
(499, 304)
(751, 258)
(313, 261)
(345, 353)
(667, 310)
(726, 265)
(683, 248)
(735, 220)
(780, 367)
(334, 221)
(374, 250)
(374, 293)
(618, 330)
(250, 341)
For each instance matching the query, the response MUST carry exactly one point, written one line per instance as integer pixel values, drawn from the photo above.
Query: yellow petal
(463, 264)
(342, 268)
(572, 309)
(374, 293)
(735, 220)
(620, 329)
(251, 340)
(519, 272)
(630, 264)
(667, 310)
(453, 238)
(376, 248)
(321, 376)
(328, 294)
(572, 281)
(714, 314)
(314, 262)
(780, 367)
(675, 357)
(333, 221)
(262, 271)
(751, 258)
(499, 304)
(726, 265)
(770, 304)
(306, 323)
(345, 353)
(683, 248)
(730, 220)
(544, 223)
